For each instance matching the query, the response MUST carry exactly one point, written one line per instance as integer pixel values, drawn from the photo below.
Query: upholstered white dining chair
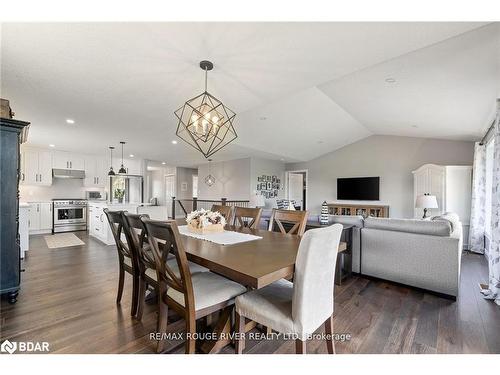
(299, 308)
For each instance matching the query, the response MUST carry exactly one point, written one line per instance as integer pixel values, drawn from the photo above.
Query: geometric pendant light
(122, 168)
(111, 171)
(209, 179)
(205, 123)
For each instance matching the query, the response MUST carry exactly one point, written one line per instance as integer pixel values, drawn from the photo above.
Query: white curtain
(478, 209)
(493, 291)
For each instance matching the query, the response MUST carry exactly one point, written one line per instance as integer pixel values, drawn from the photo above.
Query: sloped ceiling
(299, 89)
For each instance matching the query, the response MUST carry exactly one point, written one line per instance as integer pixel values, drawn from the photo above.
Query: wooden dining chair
(193, 296)
(136, 235)
(247, 217)
(225, 211)
(297, 308)
(127, 258)
(298, 220)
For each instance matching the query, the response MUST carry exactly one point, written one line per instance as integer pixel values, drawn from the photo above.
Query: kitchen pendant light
(209, 180)
(122, 168)
(205, 123)
(111, 171)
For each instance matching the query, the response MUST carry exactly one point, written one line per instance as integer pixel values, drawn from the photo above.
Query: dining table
(254, 264)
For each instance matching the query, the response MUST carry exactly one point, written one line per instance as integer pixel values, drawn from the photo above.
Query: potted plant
(119, 194)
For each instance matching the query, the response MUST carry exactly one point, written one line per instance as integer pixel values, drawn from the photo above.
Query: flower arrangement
(203, 221)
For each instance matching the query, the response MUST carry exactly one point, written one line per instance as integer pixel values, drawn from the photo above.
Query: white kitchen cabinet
(132, 166)
(98, 222)
(36, 167)
(95, 172)
(40, 217)
(68, 160)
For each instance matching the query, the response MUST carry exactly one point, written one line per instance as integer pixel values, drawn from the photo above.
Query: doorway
(297, 188)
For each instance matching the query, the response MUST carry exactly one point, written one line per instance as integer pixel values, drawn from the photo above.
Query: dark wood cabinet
(12, 134)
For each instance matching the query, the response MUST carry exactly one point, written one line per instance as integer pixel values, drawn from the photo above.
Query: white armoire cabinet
(452, 186)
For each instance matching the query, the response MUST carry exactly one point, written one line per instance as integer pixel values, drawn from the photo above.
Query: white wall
(390, 157)
(232, 180)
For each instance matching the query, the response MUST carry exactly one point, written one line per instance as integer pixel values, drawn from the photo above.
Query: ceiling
(299, 89)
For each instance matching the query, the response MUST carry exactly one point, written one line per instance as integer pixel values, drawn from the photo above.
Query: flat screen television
(358, 188)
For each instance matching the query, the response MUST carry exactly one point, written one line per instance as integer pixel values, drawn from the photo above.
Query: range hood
(68, 173)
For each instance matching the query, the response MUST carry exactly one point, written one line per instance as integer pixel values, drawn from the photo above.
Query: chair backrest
(298, 219)
(136, 235)
(225, 211)
(115, 220)
(314, 277)
(247, 217)
(164, 239)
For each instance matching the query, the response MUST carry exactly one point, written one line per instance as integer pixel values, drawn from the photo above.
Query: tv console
(364, 210)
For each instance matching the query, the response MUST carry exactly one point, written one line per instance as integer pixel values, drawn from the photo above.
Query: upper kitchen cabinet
(132, 166)
(95, 171)
(36, 167)
(68, 160)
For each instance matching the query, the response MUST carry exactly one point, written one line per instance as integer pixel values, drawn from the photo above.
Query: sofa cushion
(433, 228)
(449, 217)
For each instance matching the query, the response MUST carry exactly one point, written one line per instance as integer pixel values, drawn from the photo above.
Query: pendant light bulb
(122, 168)
(111, 171)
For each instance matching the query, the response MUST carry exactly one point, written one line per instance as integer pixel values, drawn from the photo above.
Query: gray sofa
(421, 253)
(424, 254)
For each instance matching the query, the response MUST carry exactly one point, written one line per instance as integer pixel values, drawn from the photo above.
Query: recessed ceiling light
(51, 145)
(320, 142)
(131, 155)
(174, 142)
(414, 126)
(164, 163)
(282, 159)
(390, 80)
(70, 121)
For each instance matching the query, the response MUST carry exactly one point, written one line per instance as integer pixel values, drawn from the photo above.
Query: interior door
(296, 188)
(169, 191)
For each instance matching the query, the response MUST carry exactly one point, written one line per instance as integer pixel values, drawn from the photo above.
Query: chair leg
(190, 333)
(300, 346)
(141, 296)
(162, 324)
(240, 333)
(121, 279)
(330, 342)
(135, 294)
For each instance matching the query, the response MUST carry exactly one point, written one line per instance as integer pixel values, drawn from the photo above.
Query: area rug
(56, 241)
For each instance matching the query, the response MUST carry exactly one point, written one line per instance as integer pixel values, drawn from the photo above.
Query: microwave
(95, 195)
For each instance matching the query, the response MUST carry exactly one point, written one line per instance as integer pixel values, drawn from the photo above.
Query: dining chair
(247, 217)
(127, 259)
(191, 295)
(136, 236)
(297, 308)
(225, 211)
(298, 219)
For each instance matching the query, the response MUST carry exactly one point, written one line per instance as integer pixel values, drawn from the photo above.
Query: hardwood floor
(68, 299)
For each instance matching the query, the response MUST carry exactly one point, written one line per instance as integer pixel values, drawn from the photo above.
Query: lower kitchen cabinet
(98, 222)
(40, 217)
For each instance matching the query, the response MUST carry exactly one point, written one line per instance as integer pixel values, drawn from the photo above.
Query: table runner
(222, 238)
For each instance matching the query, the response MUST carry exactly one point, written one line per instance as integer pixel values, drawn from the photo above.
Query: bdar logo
(9, 347)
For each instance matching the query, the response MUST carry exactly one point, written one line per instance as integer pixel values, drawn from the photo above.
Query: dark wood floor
(68, 299)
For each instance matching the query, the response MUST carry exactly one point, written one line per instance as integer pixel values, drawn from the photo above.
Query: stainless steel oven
(69, 215)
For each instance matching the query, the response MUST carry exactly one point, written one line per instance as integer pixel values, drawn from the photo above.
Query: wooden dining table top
(255, 263)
